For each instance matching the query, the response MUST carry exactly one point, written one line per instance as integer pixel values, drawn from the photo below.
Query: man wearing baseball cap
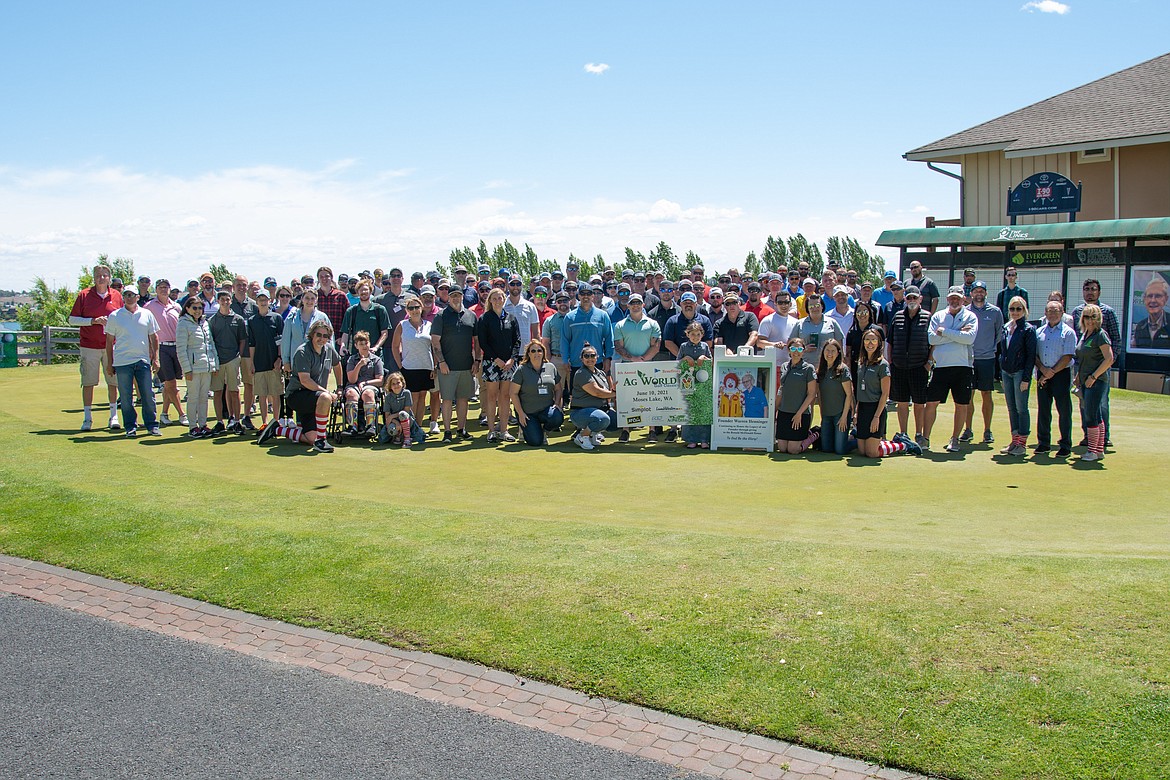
(987, 341)
(909, 341)
(885, 293)
(952, 336)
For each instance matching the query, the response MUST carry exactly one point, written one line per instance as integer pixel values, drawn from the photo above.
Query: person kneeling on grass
(307, 395)
(590, 403)
(798, 391)
(873, 390)
(363, 374)
(398, 406)
(533, 389)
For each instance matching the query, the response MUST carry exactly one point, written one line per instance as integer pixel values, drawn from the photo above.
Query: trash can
(7, 349)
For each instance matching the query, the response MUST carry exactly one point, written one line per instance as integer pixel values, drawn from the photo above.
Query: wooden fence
(47, 344)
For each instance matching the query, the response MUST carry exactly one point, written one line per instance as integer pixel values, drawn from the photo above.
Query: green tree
(775, 253)
(848, 251)
(664, 258)
(800, 250)
(49, 307)
(752, 265)
(221, 273)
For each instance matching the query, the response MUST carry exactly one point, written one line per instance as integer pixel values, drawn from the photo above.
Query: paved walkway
(681, 742)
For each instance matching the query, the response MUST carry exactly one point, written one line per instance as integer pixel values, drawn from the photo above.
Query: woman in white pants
(197, 356)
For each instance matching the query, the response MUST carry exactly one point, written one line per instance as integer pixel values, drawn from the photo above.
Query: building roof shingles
(1131, 103)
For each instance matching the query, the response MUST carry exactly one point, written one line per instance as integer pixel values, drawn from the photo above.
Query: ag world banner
(649, 394)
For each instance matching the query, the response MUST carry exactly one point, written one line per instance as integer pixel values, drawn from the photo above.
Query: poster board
(1147, 331)
(744, 402)
(649, 394)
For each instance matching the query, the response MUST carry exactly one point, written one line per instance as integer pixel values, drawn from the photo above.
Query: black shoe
(321, 445)
(1108, 443)
(463, 434)
(623, 437)
(218, 429)
(1039, 448)
(267, 432)
(448, 437)
(482, 421)
(671, 435)
(1063, 452)
(1084, 443)
(248, 424)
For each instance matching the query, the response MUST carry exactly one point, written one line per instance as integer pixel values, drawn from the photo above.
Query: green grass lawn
(968, 616)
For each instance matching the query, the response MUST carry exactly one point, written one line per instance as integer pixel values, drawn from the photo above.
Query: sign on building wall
(1044, 193)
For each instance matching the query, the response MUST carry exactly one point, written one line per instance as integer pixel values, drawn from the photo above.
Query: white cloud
(597, 68)
(1046, 7)
(267, 220)
(875, 203)
(866, 214)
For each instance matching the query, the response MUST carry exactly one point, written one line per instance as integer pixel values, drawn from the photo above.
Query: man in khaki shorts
(230, 334)
(90, 309)
(264, 331)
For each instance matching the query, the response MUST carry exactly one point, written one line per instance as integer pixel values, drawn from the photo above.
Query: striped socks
(890, 447)
(1096, 436)
(292, 432)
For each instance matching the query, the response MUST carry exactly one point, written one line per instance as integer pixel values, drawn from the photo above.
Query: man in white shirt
(776, 328)
(132, 353)
(524, 310)
(842, 312)
(952, 337)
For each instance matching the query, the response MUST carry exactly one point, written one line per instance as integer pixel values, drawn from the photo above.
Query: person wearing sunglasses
(195, 348)
(307, 394)
(798, 391)
(550, 337)
(413, 352)
(591, 410)
(988, 338)
(499, 340)
(1016, 363)
(533, 389)
(524, 310)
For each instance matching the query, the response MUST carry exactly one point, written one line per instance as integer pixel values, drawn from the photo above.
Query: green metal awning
(1054, 233)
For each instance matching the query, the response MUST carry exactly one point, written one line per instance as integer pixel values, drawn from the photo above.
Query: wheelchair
(337, 430)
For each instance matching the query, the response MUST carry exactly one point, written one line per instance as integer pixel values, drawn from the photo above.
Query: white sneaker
(86, 425)
(1090, 456)
(597, 438)
(184, 421)
(434, 428)
(584, 442)
(114, 424)
(163, 420)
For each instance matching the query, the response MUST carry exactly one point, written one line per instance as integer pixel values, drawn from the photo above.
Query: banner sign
(744, 401)
(1037, 257)
(1044, 193)
(649, 394)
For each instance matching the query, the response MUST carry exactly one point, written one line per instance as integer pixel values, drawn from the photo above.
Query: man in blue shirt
(674, 334)
(584, 324)
(1056, 344)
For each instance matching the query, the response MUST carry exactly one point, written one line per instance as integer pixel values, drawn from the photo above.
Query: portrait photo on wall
(742, 393)
(1148, 331)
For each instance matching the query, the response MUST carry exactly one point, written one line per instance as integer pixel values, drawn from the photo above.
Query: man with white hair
(1153, 331)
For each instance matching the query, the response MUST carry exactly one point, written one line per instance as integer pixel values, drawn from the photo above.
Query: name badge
(542, 391)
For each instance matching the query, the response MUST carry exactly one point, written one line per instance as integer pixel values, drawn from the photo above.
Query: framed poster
(1147, 330)
(743, 404)
(649, 394)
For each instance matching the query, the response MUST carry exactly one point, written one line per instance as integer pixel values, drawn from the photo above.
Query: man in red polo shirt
(90, 309)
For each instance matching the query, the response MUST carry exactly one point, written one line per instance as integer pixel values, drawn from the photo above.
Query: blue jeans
(596, 420)
(129, 376)
(1104, 406)
(833, 439)
(538, 422)
(1017, 401)
(696, 434)
(1093, 403)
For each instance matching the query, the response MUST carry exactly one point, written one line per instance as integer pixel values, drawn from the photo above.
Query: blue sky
(279, 136)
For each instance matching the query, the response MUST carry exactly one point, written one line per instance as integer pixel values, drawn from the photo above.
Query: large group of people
(540, 351)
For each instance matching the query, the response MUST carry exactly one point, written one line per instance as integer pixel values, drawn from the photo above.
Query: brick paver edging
(681, 742)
